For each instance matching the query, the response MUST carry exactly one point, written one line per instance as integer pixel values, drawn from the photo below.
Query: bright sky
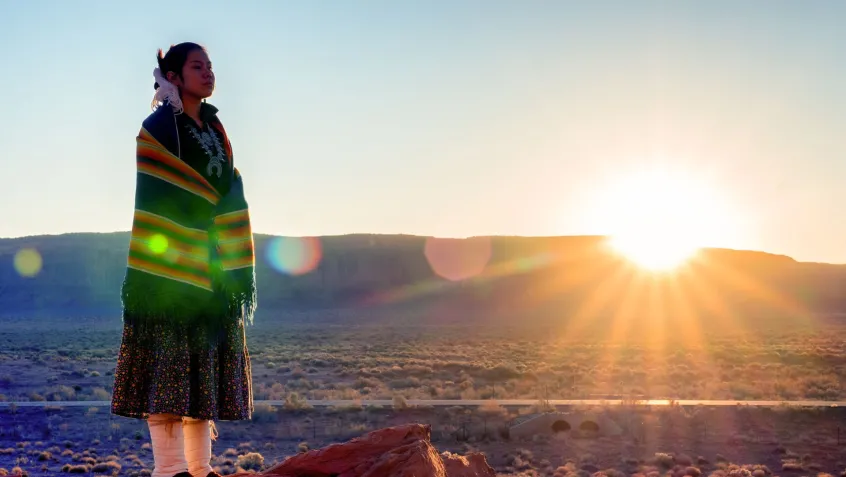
(448, 118)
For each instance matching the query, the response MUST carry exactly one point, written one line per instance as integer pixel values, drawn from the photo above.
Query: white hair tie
(166, 91)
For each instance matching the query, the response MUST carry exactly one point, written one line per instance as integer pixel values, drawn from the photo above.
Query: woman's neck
(191, 106)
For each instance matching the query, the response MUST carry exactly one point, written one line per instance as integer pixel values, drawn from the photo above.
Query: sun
(660, 220)
(654, 252)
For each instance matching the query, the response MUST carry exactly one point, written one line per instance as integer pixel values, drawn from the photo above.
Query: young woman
(189, 288)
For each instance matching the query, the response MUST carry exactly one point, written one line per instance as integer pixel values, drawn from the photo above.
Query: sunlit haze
(667, 125)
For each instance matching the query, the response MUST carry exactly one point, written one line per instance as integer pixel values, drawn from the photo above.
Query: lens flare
(458, 259)
(28, 262)
(294, 255)
(158, 244)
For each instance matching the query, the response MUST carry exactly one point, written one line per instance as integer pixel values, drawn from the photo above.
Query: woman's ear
(174, 78)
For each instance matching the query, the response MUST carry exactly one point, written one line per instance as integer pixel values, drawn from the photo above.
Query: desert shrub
(364, 382)
(492, 409)
(293, 402)
(693, 472)
(400, 402)
(100, 394)
(109, 467)
(567, 469)
(251, 461)
(264, 412)
(126, 443)
(739, 472)
(500, 373)
(67, 393)
(404, 383)
(541, 406)
(519, 462)
(301, 384)
(662, 459)
(76, 469)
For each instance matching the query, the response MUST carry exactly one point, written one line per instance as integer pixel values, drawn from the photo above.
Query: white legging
(181, 444)
(199, 434)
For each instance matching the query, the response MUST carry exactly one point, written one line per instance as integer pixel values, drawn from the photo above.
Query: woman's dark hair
(175, 58)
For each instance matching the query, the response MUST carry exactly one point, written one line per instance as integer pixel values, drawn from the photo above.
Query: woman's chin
(199, 95)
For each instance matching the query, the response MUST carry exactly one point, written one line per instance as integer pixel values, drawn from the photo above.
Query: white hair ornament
(166, 91)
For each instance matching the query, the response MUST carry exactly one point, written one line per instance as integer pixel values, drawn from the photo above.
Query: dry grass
(293, 363)
(329, 362)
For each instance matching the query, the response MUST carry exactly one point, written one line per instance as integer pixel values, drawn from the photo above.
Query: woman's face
(197, 77)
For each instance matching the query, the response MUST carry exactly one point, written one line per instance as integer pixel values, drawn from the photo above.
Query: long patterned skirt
(158, 372)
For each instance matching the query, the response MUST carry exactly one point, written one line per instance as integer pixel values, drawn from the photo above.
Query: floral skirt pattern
(158, 372)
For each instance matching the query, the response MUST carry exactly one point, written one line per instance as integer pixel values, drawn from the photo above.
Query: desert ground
(73, 360)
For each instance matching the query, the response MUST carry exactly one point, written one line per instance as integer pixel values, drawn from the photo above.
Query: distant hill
(552, 276)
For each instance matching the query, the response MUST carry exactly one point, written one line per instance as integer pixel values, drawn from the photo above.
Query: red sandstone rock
(471, 465)
(402, 451)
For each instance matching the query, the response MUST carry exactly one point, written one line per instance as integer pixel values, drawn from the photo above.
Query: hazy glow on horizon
(454, 119)
(659, 219)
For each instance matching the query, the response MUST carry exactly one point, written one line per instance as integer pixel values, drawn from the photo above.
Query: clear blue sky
(449, 118)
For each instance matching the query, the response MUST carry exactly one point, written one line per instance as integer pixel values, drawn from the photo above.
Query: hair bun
(159, 61)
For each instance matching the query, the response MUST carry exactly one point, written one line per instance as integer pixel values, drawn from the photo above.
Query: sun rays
(659, 218)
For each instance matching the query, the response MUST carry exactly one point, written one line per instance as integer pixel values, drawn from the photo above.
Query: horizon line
(406, 234)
